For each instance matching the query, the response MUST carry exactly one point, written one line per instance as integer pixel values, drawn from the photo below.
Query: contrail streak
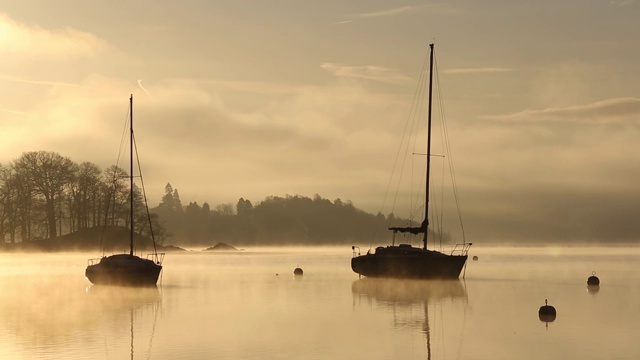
(145, 90)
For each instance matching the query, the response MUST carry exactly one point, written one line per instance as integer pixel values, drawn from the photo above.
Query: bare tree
(116, 194)
(48, 173)
(7, 205)
(83, 196)
(18, 204)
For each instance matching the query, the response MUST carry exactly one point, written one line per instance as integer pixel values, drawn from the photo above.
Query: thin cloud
(442, 7)
(34, 82)
(152, 28)
(342, 22)
(478, 70)
(388, 12)
(64, 43)
(256, 87)
(14, 112)
(367, 72)
(622, 2)
(606, 111)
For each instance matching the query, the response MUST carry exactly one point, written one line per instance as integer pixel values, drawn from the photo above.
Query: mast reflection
(396, 294)
(127, 300)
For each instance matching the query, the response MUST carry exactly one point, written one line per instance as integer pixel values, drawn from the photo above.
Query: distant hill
(114, 239)
(221, 247)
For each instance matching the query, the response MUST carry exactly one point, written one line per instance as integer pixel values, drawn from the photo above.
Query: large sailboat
(405, 261)
(127, 269)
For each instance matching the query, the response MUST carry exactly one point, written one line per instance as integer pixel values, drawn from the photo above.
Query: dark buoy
(547, 313)
(593, 280)
(297, 272)
(475, 258)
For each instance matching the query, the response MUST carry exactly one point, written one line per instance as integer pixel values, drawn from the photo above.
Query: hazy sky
(255, 98)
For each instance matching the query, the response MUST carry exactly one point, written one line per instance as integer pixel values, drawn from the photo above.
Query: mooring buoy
(475, 258)
(547, 313)
(297, 271)
(593, 279)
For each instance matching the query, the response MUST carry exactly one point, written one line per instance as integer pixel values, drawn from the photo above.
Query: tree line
(44, 195)
(292, 219)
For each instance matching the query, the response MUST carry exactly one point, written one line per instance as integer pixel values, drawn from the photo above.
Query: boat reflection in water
(120, 301)
(109, 298)
(397, 294)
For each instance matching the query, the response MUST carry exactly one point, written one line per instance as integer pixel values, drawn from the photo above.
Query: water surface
(248, 305)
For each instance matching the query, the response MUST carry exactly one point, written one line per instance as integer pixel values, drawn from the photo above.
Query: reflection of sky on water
(235, 306)
(409, 303)
(45, 310)
(396, 291)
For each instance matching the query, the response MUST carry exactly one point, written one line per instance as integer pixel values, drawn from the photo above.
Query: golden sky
(255, 98)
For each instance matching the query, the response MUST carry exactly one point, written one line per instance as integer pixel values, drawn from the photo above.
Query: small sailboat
(127, 269)
(405, 261)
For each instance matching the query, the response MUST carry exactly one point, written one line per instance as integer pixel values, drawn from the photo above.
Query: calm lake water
(248, 305)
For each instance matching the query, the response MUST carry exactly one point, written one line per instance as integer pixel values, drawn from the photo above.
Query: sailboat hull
(405, 262)
(124, 269)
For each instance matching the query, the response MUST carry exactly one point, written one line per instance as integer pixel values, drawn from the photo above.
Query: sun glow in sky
(256, 98)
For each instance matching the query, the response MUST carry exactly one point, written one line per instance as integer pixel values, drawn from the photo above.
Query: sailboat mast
(131, 174)
(425, 223)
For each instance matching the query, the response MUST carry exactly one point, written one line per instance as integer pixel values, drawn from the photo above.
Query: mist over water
(248, 305)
